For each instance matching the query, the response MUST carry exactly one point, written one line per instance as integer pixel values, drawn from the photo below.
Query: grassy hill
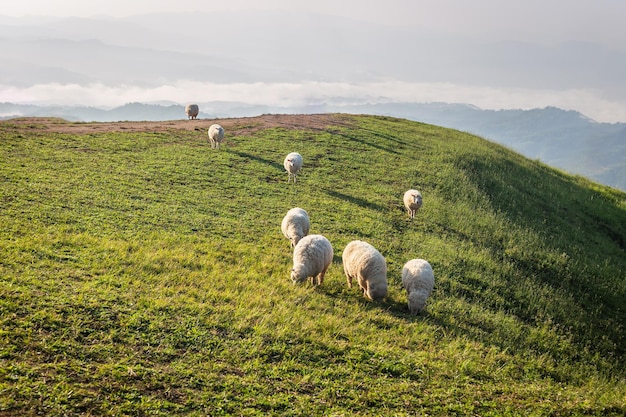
(142, 273)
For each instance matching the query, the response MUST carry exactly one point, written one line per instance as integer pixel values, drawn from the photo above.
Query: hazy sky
(554, 20)
(544, 22)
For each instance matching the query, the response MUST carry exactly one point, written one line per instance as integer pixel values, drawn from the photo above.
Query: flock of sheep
(313, 254)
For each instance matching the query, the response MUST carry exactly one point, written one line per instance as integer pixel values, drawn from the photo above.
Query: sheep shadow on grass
(396, 308)
(389, 305)
(256, 158)
(354, 200)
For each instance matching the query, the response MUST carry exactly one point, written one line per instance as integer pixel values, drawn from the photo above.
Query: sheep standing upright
(311, 258)
(295, 225)
(363, 262)
(293, 165)
(192, 111)
(216, 135)
(418, 280)
(412, 202)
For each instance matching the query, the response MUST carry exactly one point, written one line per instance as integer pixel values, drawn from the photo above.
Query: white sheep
(192, 111)
(311, 258)
(361, 261)
(293, 165)
(295, 225)
(418, 280)
(216, 135)
(412, 202)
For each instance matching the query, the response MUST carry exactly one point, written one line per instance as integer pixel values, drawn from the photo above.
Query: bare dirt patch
(233, 126)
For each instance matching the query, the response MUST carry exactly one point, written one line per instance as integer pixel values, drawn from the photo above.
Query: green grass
(145, 274)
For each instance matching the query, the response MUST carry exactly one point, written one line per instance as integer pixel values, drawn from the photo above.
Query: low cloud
(588, 102)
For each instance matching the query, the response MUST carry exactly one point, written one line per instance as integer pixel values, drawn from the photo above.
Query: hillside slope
(143, 273)
(563, 139)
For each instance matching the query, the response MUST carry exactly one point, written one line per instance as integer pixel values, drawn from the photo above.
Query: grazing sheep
(216, 135)
(295, 225)
(363, 262)
(418, 280)
(192, 111)
(311, 258)
(293, 165)
(412, 202)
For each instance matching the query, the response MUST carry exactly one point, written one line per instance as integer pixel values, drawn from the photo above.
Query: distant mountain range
(196, 54)
(274, 46)
(563, 139)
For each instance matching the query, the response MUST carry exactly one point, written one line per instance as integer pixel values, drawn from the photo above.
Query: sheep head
(417, 301)
(297, 273)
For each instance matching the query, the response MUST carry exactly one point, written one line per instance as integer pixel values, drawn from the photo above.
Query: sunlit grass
(143, 273)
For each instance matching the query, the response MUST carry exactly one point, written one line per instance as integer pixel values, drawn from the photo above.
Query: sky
(539, 21)
(555, 20)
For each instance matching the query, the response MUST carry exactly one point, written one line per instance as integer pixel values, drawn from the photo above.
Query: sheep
(363, 262)
(293, 165)
(412, 202)
(295, 225)
(311, 258)
(418, 280)
(216, 135)
(192, 111)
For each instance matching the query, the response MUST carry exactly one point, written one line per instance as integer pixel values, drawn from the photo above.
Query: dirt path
(234, 126)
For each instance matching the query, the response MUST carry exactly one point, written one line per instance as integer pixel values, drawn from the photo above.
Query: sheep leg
(320, 277)
(348, 277)
(364, 286)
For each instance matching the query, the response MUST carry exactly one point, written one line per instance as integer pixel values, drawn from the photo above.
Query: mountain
(560, 138)
(143, 273)
(563, 139)
(261, 46)
(194, 55)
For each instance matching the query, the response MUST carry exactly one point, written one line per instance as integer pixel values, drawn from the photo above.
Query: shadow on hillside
(582, 229)
(391, 138)
(363, 142)
(256, 158)
(354, 200)
(397, 308)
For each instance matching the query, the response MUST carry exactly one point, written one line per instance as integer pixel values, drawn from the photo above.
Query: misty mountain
(260, 46)
(28, 62)
(154, 50)
(127, 112)
(564, 139)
